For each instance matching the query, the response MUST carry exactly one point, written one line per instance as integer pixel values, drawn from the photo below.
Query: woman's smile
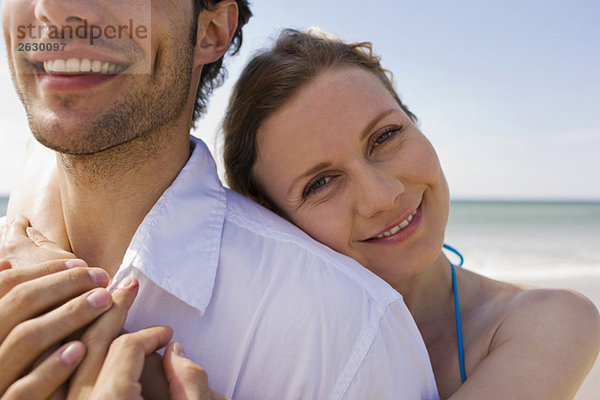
(398, 231)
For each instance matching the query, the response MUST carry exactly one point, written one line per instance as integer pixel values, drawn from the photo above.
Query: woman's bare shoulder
(564, 312)
(558, 330)
(527, 305)
(546, 314)
(541, 343)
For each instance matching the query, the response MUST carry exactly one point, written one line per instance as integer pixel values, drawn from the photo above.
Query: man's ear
(216, 28)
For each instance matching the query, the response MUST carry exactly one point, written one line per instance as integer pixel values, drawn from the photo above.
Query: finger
(13, 235)
(4, 264)
(98, 337)
(30, 298)
(45, 355)
(153, 380)
(31, 338)
(24, 245)
(44, 380)
(125, 360)
(12, 277)
(187, 380)
(40, 240)
(17, 226)
(60, 393)
(3, 229)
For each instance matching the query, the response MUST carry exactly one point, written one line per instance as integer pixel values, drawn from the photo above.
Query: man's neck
(106, 196)
(93, 205)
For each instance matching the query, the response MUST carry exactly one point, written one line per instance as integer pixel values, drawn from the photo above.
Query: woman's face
(346, 164)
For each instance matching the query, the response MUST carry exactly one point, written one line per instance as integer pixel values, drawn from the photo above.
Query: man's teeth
(77, 65)
(397, 228)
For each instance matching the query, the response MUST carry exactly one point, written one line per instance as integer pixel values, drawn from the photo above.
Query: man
(268, 312)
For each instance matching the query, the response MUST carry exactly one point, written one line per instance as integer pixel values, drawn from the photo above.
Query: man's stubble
(132, 129)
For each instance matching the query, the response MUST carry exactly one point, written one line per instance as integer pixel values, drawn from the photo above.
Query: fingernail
(72, 354)
(34, 232)
(178, 350)
(127, 283)
(99, 298)
(5, 264)
(70, 264)
(99, 276)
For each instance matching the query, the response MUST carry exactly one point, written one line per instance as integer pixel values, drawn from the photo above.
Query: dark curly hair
(213, 74)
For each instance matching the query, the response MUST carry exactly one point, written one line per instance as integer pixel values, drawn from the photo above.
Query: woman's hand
(47, 377)
(122, 369)
(187, 380)
(45, 295)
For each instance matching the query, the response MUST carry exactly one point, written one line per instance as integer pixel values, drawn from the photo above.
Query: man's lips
(72, 82)
(395, 227)
(79, 51)
(78, 60)
(81, 66)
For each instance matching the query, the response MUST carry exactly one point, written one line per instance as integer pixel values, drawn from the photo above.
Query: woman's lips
(400, 231)
(396, 228)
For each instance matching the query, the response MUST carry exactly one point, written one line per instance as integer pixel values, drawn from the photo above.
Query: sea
(532, 240)
(529, 239)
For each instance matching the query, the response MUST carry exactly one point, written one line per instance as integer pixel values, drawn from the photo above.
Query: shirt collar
(178, 243)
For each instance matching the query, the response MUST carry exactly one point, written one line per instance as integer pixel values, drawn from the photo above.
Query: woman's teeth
(77, 65)
(397, 228)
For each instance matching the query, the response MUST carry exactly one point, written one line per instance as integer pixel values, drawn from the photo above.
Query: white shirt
(268, 312)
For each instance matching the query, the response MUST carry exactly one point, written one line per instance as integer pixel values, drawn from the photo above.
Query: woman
(316, 132)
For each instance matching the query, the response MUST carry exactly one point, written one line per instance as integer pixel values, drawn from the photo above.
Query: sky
(508, 92)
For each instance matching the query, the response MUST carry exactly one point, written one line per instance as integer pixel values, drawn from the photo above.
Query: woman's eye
(389, 132)
(317, 184)
(382, 138)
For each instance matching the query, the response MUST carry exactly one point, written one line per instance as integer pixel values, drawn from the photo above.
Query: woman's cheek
(425, 164)
(326, 226)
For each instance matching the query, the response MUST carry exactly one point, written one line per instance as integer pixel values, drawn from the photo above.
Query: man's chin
(76, 144)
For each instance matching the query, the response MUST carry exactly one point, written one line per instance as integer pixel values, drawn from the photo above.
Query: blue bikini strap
(461, 351)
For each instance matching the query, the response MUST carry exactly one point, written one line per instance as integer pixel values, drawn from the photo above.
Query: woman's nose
(376, 192)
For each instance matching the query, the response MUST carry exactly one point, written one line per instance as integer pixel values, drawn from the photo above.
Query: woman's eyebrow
(323, 165)
(375, 121)
(311, 171)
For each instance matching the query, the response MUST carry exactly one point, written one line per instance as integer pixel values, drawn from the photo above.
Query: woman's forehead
(345, 97)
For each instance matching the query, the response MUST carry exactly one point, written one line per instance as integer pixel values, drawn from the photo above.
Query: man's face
(101, 73)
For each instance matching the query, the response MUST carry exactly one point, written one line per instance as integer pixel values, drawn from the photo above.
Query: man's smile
(81, 65)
